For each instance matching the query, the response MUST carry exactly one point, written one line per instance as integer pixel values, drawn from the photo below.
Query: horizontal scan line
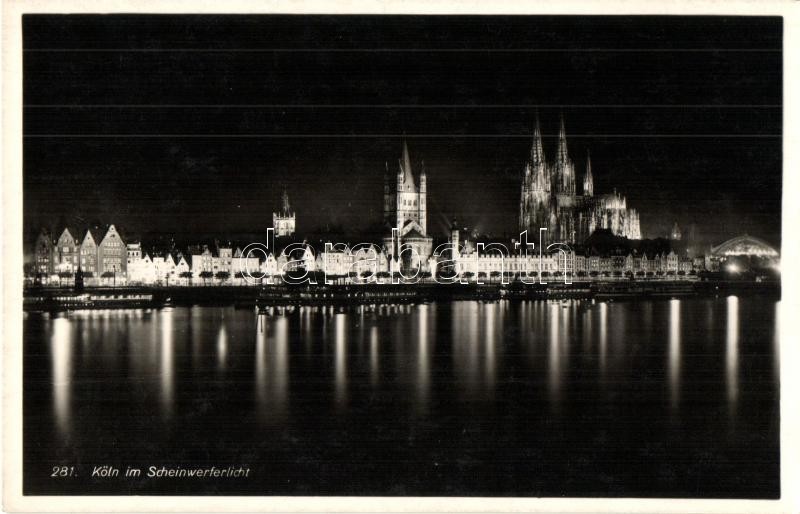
(401, 106)
(395, 50)
(343, 136)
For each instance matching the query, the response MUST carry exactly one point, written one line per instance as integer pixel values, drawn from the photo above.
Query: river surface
(669, 398)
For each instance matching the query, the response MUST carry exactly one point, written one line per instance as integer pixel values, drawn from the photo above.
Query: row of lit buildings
(114, 262)
(96, 254)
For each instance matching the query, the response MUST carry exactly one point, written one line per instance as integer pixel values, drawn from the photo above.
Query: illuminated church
(549, 199)
(405, 209)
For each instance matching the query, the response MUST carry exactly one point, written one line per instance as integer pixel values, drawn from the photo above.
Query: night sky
(194, 124)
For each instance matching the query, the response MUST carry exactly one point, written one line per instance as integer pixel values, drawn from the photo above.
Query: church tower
(564, 169)
(536, 188)
(410, 203)
(588, 180)
(524, 207)
(284, 221)
(409, 215)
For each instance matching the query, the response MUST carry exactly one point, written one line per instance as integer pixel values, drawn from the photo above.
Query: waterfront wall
(371, 293)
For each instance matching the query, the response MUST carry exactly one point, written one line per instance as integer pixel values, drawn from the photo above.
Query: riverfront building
(65, 256)
(65, 253)
(43, 254)
(742, 253)
(482, 260)
(112, 257)
(88, 255)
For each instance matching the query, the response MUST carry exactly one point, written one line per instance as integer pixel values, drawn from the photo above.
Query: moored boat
(68, 301)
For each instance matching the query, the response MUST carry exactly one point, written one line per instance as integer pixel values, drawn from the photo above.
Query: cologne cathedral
(549, 199)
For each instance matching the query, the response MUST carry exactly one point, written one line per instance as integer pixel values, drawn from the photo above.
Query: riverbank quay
(49, 299)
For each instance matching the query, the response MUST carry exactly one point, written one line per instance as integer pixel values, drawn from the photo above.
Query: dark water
(663, 398)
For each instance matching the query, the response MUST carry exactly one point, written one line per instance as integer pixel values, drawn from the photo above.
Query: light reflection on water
(167, 362)
(272, 368)
(732, 353)
(340, 360)
(423, 359)
(490, 343)
(195, 336)
(603, 339)
(554, 368)
(482, 341)
(374, 366)
(61, 358)
(472, 336)
(464, 328)
(222, 346)
(776, 340)
(261, 366)
(305, 318)
(586, 330)
(674, 353)
(280, 368)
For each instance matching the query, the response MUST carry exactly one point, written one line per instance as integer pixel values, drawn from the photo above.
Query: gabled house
(182, 266)
(270, 266)
(65, 253)
(335, 260)
(182, 270)
(112, 256)
(43, 254)
(224, 261)
(202, 262)
(164, 269)
(242, 265)
(629, 263)
(672, 261)
(88, 255)
(203, 266)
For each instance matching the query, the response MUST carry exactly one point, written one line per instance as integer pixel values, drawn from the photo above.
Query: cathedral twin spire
(588, 180)
(562, 156)
(537, 152)
(549, 198)
(562, 173)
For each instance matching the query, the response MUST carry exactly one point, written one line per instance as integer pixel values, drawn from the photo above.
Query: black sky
(194, 124)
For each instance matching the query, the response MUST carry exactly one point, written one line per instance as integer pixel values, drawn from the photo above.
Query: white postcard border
(12, 264)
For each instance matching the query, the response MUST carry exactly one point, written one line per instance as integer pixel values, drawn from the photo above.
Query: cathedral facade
(549, 199)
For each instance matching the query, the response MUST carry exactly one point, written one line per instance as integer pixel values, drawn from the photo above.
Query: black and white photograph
(401, 255)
